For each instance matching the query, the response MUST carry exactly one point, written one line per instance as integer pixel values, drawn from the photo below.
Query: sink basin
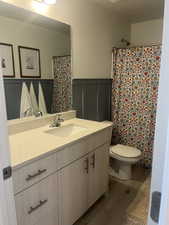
(66, 131)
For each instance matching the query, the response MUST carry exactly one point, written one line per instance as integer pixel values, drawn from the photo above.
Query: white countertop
(32, 144)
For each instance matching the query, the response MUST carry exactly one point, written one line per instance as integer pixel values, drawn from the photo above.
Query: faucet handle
(38, 114)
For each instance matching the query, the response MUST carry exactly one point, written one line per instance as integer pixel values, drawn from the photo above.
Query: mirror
(36, 63)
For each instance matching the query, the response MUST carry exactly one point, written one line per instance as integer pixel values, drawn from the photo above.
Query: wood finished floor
(113, 208)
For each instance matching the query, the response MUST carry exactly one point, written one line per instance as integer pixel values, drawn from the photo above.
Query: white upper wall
(49, 42)
(148, 32)
(94, 31)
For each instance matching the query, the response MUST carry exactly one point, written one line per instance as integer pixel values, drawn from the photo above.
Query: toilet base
(121, 160)
(121, 170)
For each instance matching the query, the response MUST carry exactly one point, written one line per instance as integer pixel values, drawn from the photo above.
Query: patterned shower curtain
(135, 88)
(62, 93)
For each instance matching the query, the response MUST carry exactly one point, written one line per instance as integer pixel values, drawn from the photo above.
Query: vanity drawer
(38, 205)
(32, 173)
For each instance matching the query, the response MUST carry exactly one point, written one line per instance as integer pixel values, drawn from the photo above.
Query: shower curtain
(134, 97)
(62, 93)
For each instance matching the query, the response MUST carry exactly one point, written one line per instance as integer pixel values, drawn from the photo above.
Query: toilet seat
(125, 151)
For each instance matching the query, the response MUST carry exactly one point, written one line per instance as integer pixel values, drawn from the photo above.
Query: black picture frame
(22, 48)
(12, 63)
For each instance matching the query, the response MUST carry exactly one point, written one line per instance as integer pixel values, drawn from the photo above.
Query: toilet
(123, 157)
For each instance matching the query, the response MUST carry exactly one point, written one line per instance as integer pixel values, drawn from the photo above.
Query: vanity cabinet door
(98, 176)
(38, 204)
(73, 185)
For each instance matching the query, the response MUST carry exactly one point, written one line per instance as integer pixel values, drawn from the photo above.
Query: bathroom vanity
(59, 173)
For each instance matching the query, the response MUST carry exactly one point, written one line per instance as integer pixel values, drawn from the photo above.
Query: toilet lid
(125, 151)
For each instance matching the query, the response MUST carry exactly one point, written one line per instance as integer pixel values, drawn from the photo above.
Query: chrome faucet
(57, 121)
(29, 112)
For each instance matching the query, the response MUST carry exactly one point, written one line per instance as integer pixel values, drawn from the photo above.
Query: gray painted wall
(92, 98)
(13, 88)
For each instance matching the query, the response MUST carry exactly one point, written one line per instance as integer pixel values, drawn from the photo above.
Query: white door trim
(160, 171)
(7, 205)
(164, 211)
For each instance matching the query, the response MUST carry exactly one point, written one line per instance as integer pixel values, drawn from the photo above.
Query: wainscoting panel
(13, 88)
(92, 98)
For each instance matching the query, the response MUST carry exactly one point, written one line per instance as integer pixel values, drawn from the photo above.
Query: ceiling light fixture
(39, 6)
(50, 2)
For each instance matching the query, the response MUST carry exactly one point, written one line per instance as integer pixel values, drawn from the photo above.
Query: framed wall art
(7, 60)
(29, 58)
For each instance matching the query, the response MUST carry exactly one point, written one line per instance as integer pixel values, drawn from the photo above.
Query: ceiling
(14, 12)
(135, 10)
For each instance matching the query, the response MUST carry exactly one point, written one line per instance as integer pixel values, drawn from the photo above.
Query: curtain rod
(139, 46)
